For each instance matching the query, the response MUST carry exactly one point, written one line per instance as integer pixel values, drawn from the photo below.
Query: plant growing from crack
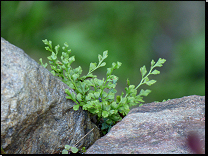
(98, 95)
(68, 149)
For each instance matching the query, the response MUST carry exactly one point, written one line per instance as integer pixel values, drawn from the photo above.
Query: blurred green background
(133, 32)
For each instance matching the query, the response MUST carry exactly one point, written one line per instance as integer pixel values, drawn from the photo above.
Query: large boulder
(166, 127)
(36, 118)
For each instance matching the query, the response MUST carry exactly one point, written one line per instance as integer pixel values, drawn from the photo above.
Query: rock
(36, 118)
(156, 128)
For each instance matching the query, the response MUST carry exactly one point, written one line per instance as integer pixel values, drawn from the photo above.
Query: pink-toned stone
(156, 128)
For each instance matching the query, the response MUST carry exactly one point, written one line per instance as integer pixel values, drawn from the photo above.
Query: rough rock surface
(36, 117)
(156, 128)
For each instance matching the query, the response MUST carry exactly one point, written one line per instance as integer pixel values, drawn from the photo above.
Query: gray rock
(156, 128)
(36, 117)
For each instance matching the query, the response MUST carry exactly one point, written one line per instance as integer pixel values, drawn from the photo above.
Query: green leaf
(115, 79)
(54, 68)
(138, 99)
(112, 78)
(53, 56)
(104, 94)
(79, 97)
(146, 79)
(149, 83)
(57, 49)
(47, 48)
(109, 71)
(65, 152)
(105, 114)
(110, 122)
(89, 96)
(75, 107)
(160, 62)
(75, 76)
(65, 56)
(69, 97)
(106, 107)
(103, 64)
(130, 90)
(118, 98)
(114, 105)
(128, 82)
(99, 58)
(72, 96)
(50, 44)
(131, 86)
(58, 62)
(44, 65)
(67, 92)
(113, 90)
(78, 70)
(110, 96)
(113, 112)
(130, 99)
(67, 147)
(70, 85)
(123, 100)
(118, 64)
(74, 150)
(71, 59)
(144, 92)
(45, 41)
(104, 126)
(152, 63)
(49, 58)
(81, 103)
(66, 44)
(97, 95)
(92, 66)
(83, 149)
(113, 65)
(143, 71)
(66, 62)
(109, 85)
(126, 109)
(99, 82)
(155, 72)
(105, 54)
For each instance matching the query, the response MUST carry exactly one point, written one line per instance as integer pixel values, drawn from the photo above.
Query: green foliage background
(134, 33)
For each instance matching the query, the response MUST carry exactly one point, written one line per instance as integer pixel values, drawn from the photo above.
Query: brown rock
(36, 117)
(157, 128)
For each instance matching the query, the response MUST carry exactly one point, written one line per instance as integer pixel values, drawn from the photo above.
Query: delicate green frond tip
(160, 62)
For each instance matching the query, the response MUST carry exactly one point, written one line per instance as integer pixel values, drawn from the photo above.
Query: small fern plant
(98, 95)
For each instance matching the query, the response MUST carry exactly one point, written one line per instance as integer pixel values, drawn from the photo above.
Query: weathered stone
(156, 128)
(35, 115)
